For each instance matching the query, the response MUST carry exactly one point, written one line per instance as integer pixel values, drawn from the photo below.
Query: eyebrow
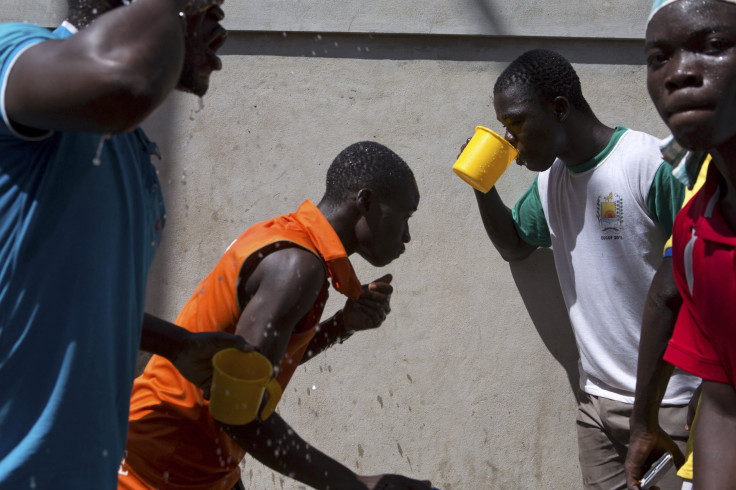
(700, 32)
(510, 115)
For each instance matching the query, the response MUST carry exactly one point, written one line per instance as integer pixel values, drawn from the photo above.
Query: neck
(586, 138)
(343, 222)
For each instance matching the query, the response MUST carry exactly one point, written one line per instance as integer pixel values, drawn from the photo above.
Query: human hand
(194, 7)
(644, 449)
(194, 360)
(394, 482)
(371, 308)
(204, 36)
(463, 147)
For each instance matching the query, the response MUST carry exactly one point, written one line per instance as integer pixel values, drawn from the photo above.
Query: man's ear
(562, 108)
(364, 200)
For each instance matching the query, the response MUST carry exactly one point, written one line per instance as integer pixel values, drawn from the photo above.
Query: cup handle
(274, 395)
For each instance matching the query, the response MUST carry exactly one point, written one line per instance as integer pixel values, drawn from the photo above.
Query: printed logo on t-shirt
(610, 213)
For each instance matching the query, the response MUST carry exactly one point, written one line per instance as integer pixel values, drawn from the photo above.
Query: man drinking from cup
(605, 204)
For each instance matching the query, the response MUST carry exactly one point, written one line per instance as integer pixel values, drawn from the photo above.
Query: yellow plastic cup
(239, 381)
(484, 159)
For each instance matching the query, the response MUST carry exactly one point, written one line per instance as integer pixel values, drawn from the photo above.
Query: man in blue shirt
(81, 215)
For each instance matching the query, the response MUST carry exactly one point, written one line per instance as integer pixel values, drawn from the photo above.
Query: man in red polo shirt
(691, 58)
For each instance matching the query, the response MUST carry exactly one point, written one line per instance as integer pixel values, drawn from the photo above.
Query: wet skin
(203, 38)
(384, 229)
(691, 77)
(532, 127)
(691, 71)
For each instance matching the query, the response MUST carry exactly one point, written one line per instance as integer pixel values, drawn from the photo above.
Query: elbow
(514, 257)
(516, 254)
(129, 89)
(131, 98)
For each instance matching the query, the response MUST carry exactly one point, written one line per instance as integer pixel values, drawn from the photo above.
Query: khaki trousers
(603, 439)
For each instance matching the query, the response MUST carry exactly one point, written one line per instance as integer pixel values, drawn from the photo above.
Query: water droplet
(96, 160)
(336, 44)
(33, 482)
(201, 105)
(314, 387)
(319, 37)
(284, 34)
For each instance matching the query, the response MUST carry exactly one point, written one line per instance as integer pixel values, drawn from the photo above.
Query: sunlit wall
(470, 382)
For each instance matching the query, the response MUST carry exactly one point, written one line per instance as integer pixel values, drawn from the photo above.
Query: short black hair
(367, 164)
(546, 74)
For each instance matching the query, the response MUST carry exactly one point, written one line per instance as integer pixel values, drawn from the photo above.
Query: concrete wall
(470, 381)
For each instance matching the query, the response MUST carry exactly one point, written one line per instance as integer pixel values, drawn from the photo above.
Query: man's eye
(656, 59)
(715, 46)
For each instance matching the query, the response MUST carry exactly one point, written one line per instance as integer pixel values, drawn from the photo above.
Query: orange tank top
(173, 441)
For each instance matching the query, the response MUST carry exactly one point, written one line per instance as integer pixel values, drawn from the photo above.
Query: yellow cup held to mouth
(484, 159)
(239, 381)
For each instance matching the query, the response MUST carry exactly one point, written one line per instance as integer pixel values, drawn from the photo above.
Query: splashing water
(96, 160)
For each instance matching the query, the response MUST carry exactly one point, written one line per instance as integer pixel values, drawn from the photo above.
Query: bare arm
(500, 227)
(647, 439)
(191, 353)
(278, 446)
(106, 78)
(364, 313)
(281, 290)
(714, 449)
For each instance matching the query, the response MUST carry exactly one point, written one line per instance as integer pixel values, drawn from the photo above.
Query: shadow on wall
(536, 280)
(486, 8)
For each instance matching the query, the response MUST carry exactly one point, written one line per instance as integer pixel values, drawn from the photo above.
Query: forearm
(499, 225)
(275, 444)
(715, 460)
(658, 323)
(113, 73)
(329, 332)
(162, 338)
(145, 44)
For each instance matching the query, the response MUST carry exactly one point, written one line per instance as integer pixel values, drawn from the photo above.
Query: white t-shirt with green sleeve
(607, 221)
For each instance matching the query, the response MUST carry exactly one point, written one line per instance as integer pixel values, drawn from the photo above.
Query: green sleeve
(529, 218)
(665, 197)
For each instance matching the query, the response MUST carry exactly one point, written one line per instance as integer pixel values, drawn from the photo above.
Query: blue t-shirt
(76, 243)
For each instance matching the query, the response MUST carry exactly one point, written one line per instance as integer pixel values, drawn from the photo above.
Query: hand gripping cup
(238, 382)
(486, 156)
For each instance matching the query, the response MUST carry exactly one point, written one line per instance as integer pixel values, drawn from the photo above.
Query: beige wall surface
(570, 18)
(470, 381)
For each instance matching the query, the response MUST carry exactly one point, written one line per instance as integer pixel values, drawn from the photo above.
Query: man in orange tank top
(270, 287)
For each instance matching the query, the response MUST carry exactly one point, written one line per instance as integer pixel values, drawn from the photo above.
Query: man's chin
(696, 139)
(192, 87)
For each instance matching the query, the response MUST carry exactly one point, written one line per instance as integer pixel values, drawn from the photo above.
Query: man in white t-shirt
(605, 204)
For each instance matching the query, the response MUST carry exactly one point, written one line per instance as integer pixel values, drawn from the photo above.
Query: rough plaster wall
(570, 18)
(470, 380)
